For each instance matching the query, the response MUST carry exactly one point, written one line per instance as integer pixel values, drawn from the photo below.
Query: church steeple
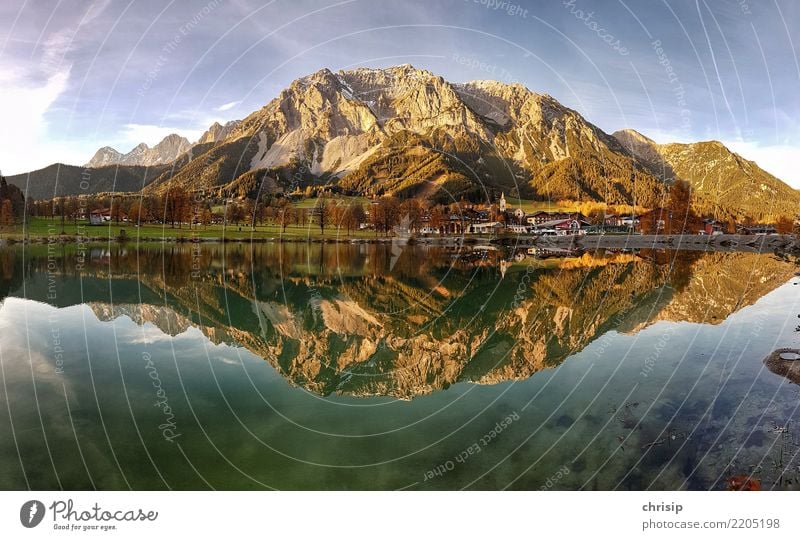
(502, 202)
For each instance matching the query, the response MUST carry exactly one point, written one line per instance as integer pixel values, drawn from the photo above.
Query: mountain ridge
(166, 151)
(722, 179)
(407, 131)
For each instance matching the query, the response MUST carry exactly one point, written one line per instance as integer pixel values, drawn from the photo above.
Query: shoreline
(725, 242)
(785, 243)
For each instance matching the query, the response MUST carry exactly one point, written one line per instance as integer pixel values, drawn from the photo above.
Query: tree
(414, 211)
(354, 216)
(285, 214)
(680, 204)
(176, 205)
(6, 213)
(784, 225)
(235, 212)
(322, 213)
(136, 213)
(116, 209)
(385, 214)
(437, 218)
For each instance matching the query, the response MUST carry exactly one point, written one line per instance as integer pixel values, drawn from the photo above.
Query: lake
(391, 366)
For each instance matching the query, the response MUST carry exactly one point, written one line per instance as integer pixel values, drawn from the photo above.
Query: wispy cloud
(228, 106)
(27, 92)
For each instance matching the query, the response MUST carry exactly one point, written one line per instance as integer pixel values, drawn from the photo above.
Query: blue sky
(77, 75)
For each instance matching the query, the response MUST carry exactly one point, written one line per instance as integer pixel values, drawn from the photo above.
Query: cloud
(27, 92)
(779, 160)
(228, 106)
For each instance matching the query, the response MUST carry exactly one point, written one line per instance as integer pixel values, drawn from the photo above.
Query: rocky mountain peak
(104, 156)
(217, 132)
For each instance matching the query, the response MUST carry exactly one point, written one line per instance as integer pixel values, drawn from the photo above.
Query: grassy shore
(42, 229)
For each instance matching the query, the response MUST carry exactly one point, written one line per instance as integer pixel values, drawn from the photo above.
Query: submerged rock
(784, 362)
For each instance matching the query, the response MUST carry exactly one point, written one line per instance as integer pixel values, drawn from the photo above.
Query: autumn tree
(176, 206)
(136, 213)
(285, 214)
(321, 213)
(6, 213)
(354, 216)
(414, 210)
(235, 212)
(680, 204)
(385, 214)
(438, 218)
(784, 225)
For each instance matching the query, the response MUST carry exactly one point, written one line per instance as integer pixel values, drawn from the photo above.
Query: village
(477, 220)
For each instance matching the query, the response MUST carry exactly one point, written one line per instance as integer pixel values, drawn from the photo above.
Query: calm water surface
(321, 366)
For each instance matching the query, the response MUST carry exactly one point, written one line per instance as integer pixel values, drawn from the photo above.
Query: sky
(76, 75)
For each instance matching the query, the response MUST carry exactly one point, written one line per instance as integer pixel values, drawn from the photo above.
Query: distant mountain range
(164, 152)
(406, 131)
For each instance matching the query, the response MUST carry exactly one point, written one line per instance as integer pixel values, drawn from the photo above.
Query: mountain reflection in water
(378, 320)
(364, 366)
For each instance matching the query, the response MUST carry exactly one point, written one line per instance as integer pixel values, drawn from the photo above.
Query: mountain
(722, 180)
(105, 156)
(216, 132)
(408, 132)
(164, 152)
(59, 179)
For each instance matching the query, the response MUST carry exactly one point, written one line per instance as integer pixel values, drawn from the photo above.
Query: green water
(314, 366)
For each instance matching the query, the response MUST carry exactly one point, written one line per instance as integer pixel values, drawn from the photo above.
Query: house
(518, 229)
(98, 217)
(631, 220)
(490, 227)
(427, 229)
(712, 227)
(561, 227)
(612, 220)
(537, 217)
(542, 216)
(545, 253)
(653, 222)
(519, 214)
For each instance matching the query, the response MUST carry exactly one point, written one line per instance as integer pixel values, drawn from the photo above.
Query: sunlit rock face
(406, 130)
